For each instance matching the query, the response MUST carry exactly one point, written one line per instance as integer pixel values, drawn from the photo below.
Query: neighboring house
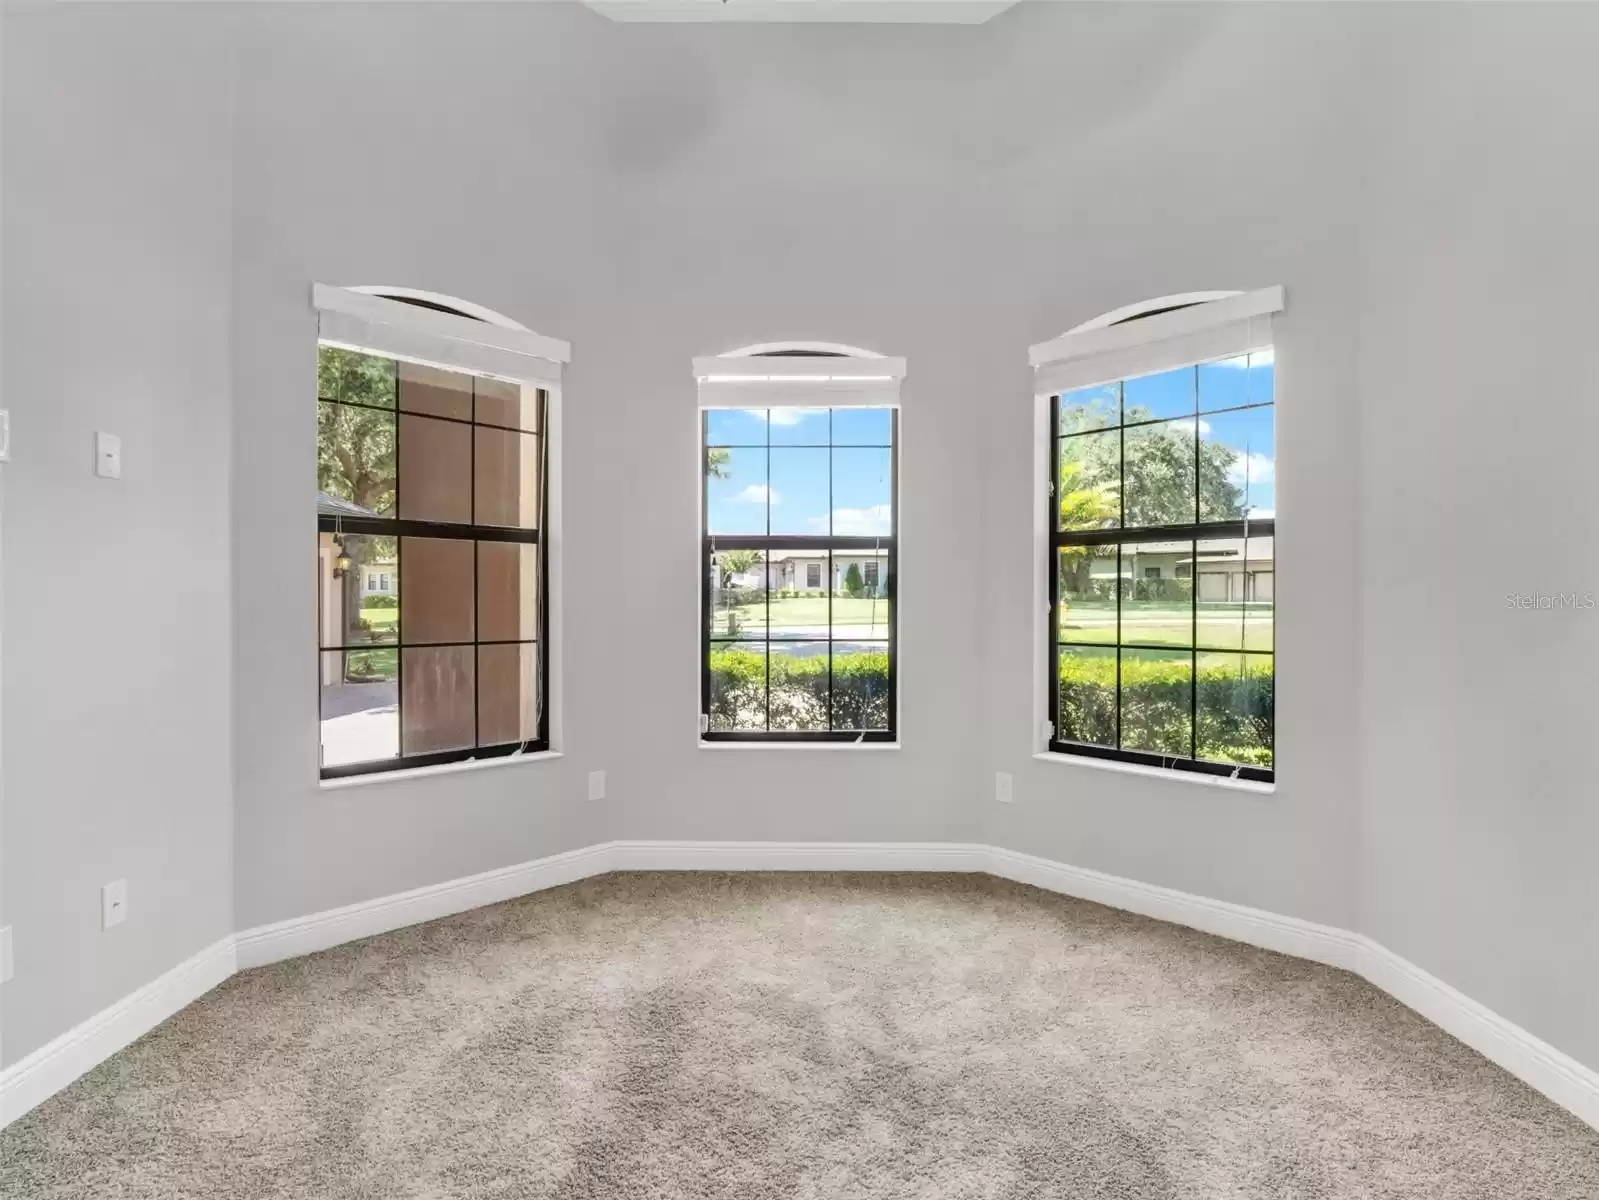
(806, 571)
(380, 578)
(1224, 572)
(331, 602)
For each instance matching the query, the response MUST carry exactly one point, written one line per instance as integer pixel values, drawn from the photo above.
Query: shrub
(799, 696)
(379, 600)
(1235, 711)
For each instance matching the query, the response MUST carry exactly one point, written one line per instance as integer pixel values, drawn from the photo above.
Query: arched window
(434, 420)
(798, 551)
(1159, 522)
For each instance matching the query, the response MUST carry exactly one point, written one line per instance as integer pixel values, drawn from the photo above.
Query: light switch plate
(108, 456)
(8, 964)
(596, 785)
(5, 436)
(114, 903)
(1002, 787)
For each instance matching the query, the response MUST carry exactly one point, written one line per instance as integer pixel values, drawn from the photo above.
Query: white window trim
(495, 346)
(1216, 325)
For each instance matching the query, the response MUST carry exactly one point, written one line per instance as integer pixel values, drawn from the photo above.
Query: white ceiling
(925, 12)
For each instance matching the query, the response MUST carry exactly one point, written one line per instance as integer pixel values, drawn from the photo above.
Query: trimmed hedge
(799, 690)
(1235, 713)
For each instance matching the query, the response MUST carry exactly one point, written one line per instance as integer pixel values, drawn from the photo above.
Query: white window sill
(722, 747)
(470, 764)
(1107, 764)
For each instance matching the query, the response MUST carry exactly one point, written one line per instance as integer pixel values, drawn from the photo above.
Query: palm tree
(719, 462)
(737, 562)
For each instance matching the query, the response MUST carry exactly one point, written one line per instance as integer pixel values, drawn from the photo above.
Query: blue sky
(1189, 394)
(803, 446)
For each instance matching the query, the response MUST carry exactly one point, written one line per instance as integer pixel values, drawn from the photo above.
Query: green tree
(736, 562)
(854, 585)
(355, 446)
(1148, 473)
(719, 462)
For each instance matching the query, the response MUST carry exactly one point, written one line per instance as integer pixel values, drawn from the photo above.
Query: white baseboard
(796, 856)
(1252, 926)
(31, 1081)
(1557, 1076)
(1539, 1065)
(321, 931)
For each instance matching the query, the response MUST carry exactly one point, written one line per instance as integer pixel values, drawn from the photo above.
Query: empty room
(676, 599)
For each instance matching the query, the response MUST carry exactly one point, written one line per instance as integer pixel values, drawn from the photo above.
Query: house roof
(338, 506)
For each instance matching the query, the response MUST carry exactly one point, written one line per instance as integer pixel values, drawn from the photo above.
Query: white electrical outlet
(8, 964)
(596, 785)
(108, 456)
(114, 903)
(1002, 787)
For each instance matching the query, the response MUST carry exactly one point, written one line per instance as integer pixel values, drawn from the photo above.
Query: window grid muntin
(832, 543)
(399, 529)
(1121, 534)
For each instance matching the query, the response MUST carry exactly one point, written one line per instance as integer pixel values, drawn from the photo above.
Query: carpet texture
(808, 1036)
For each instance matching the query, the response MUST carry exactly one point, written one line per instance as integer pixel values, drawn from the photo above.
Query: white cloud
(1260, 358)
(1253, 467)
(783, 416)
(1262, 514)
(1190, 422)
(857, 522)
(758, 493)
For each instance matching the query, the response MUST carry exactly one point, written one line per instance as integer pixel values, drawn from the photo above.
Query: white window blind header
(1203, 332)
(798, 381)
(359, 321)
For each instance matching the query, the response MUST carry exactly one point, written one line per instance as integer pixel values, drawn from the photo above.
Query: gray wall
(1479, 395)
(117, 679)
(949, 194)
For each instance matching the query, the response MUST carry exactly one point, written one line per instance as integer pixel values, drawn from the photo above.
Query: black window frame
(1194, 532)
(397, 528)
(711, 543)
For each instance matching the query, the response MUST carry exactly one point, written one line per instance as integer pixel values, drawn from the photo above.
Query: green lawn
(1163, 623)
(381, 619)
(862, 617)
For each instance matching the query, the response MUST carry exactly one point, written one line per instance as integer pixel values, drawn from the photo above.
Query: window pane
(360, 713)
(355, 378)
(1157, 607)
(436, 577)
(507, 591)
(735, 491)
(435, 392)
(1260, 594)
(1235, 382)
(738, 685)
(797, 426)
(738, 592)
(860, 594)
(1090, 480)
(435, 470)
(863, 493)
(1238, 473)
(860, 685)
(1086, 611)
(1235, 708)
(514, 405)
(1222, 582)
(437, 703)
(798, 495)
(735, 427)
(1156, 700)
(354, 461)
(1149, 397)
(1087, 695)
(1158, 488)
(507, 694)
(863, 427)
(506, 479)
(799, 685)
(1098, 407)
(363, 604)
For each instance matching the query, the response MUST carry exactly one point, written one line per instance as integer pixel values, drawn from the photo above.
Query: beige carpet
(806, 1036)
